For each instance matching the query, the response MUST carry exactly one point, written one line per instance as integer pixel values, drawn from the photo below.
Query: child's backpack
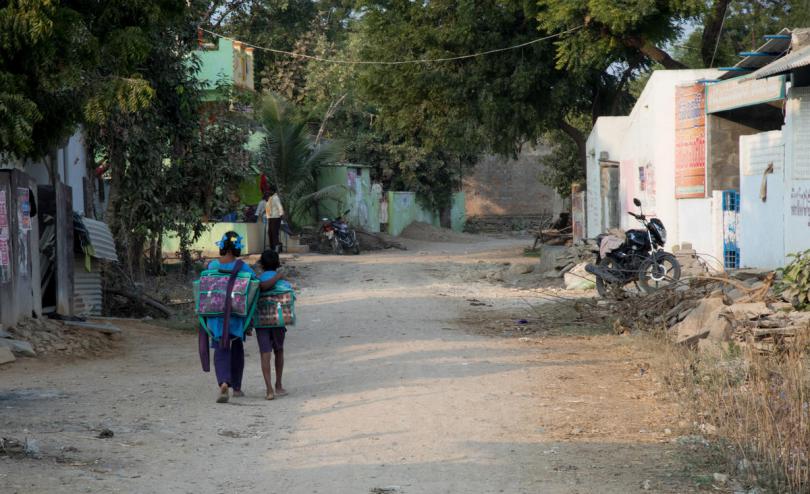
(210, 289)
(276, 308)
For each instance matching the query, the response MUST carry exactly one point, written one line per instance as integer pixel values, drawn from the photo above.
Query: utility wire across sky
(395, 62)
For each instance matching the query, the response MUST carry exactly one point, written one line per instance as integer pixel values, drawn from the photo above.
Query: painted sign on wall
(739, 92)
(800, 202)
(690, 142)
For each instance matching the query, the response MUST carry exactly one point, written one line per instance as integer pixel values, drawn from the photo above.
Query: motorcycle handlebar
(636, 216)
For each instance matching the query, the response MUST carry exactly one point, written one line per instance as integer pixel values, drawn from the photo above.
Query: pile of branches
(661, 309)
(125, 298)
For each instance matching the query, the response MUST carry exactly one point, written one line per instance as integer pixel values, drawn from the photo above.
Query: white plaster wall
(73, 170)
(606, 136)
(795, 134)
(694, 217)
(761, 229)
(716, 220)
(650, 139)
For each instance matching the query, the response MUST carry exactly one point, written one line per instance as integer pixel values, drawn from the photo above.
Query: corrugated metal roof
(87, 294)
(794, 60)
(773, 49)
(101, 238)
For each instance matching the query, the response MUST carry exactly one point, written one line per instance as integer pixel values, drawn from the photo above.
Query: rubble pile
(691, 263)
(556, 263)
(38, 337)
(708, 313)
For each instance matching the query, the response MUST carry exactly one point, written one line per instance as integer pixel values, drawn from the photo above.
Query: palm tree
(294, 158)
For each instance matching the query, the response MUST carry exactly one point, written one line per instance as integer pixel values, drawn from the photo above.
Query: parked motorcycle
(336, 235)
(640, 259)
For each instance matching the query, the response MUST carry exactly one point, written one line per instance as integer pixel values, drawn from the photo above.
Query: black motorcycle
(336, 235)
(640, 259)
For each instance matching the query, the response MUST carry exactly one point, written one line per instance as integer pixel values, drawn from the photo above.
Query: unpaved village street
(392, 389)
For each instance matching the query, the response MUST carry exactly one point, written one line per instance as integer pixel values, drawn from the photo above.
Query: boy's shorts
(271, 339)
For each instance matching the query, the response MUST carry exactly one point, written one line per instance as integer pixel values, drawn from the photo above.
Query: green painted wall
(331, 207)
(401, 211)
(252, 234)
(364, 209)
(458, 212)
(216, 65)
(250, 192)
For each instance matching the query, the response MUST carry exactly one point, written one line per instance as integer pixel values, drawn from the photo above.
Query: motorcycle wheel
(604, 288)
(659, 271)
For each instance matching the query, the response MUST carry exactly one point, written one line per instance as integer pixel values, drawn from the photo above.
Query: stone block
(520, 269)
(579, 279)
(6, 356)
(19, 347)
(751, 310)
(699, 323)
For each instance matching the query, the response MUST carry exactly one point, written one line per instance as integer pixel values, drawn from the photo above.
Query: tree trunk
(711, 31)
(654, 53)
(118, 164)
(579, 139)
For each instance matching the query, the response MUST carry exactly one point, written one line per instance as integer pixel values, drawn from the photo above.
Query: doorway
(609, 193)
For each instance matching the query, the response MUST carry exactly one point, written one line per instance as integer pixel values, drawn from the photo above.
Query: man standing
(274, 212)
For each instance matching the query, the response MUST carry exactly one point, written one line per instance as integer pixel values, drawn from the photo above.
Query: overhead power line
(395, 62)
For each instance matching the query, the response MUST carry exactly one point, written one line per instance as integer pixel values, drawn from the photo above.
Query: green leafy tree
(293, 157)
(46, 53)
(617, 30)
(744, 23)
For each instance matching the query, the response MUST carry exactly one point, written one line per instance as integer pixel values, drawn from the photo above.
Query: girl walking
(271, 339)
(228, 331)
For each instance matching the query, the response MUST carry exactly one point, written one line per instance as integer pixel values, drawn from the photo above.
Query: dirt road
(388, 390)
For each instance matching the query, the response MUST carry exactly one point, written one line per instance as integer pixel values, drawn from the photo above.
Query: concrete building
(635, 157)
(40, 270)
(720, 156)
(227, 62)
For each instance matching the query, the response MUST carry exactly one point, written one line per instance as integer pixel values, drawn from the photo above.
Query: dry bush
(758, 406)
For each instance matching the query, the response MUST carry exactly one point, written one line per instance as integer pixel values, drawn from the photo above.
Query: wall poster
(3, 215)
(24, 211)
(5, 261)
(690, 142)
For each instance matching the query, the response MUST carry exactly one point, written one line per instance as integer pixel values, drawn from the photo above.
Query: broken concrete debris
(6, 356)
(579, 279)
(18, 347)
(715, 312)
(36, 337)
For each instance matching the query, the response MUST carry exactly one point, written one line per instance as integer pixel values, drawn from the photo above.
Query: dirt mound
(54, 338)
(429, 233)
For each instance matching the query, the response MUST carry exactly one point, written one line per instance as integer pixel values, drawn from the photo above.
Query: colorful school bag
(276, 308)
(210, 293)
